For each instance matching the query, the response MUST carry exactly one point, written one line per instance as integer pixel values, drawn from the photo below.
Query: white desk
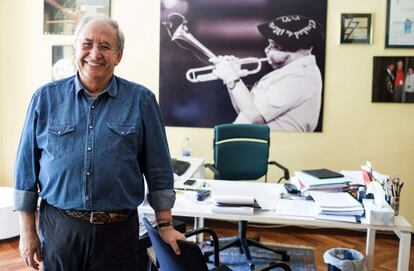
(9, 220)
(263, 192)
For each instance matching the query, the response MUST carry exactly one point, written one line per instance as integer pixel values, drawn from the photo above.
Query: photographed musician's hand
(226, 68)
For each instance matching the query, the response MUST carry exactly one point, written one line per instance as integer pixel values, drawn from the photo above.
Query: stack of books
(320, 179)
(337, 206)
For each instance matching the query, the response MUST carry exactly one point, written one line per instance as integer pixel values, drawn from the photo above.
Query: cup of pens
(394, 187)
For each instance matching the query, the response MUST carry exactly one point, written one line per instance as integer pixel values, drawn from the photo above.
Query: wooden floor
(386, 246)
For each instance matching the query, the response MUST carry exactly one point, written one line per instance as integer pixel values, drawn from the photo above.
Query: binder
(323, 173)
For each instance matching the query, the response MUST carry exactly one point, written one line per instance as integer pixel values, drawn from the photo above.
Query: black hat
(292, 33)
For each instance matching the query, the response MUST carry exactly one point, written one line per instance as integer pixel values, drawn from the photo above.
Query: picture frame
(60, 17)
(393, 79)
(62, 62)
(356, 28)
(400, 24)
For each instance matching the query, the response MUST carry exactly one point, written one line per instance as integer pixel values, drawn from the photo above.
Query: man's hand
(226, 68)
(170, 236)
(29, 244)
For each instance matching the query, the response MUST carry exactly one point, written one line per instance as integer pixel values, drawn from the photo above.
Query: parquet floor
(386, 246)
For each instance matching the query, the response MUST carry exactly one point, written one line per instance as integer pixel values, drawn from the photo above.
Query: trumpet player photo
(275, 77)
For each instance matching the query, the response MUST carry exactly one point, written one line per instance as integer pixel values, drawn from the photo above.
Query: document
(303, 208)
(232, 210)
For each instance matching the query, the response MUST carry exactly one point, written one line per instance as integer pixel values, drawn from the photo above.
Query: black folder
(323, 173)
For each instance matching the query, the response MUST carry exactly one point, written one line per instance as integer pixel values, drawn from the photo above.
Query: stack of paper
(307, 182)
(234, 205)
(337, 203)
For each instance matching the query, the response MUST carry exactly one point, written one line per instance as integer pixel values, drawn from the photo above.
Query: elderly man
(86, 144)
(288, 98)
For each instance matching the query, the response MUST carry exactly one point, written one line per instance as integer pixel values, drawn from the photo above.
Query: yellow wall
(354, 129)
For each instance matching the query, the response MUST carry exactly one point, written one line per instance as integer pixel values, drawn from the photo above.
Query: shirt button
(90, 126)
(122, 132)
(87, 197)
(93, 107)
(88, 173)
(59, 132)
(89, 148)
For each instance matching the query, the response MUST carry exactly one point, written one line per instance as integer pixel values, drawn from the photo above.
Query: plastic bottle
(186, 147)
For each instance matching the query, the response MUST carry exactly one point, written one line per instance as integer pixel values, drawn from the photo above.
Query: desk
(9, 220)
(263, 192)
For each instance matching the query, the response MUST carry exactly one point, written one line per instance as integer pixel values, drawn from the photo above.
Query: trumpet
(207, 73)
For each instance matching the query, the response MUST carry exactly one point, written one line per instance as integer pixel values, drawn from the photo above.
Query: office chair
(191, 257)
(241, 152)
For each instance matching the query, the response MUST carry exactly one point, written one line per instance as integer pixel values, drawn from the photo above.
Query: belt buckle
(93, 220)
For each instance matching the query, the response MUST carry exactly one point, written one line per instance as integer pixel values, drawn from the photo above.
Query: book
(323, 173)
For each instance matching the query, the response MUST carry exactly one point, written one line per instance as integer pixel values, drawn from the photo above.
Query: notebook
(323, 173)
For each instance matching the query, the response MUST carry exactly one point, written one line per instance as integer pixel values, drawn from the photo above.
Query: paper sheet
(304, 208)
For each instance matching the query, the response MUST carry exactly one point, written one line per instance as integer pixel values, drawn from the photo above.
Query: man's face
(96, 52)
(277, 58)
(391, 67)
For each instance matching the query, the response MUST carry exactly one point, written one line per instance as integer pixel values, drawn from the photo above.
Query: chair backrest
(190, 259)
(241, 151)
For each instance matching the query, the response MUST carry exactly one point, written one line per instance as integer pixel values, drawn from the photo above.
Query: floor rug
(301, 258)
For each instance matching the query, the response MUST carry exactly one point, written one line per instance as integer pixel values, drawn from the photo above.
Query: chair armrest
(286, 174)
(214, 170)
(213, 235)
(272, 265)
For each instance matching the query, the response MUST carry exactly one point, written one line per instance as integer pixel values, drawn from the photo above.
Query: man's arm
(168, 233)
(241, 97)
(29, 244)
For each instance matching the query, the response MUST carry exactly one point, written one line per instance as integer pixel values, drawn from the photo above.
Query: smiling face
(96, 54)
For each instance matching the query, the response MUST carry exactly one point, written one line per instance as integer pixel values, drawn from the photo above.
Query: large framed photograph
(393, 79)
(62, 16)
(356, 28)
(62, 62)
(400, 24)
(275, 50)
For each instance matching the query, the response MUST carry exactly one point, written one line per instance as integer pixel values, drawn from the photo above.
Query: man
(409, 86)
(399, 82)
(288, 98)
(389, 82)
(86, 143)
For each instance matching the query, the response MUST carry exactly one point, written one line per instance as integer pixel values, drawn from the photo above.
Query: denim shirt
(80, 153)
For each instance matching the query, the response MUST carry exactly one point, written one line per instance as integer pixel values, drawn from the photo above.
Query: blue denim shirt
(91, 154)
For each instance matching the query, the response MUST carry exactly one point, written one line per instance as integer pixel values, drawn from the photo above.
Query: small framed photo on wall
(62, 63)
(400, 24)
(356, 28)
(60, 17)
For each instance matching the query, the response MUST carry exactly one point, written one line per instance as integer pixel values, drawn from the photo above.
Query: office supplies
(202, 194)
(236, 201)
(189, 182)
(179, 166)
(291, 188)
(323, 173)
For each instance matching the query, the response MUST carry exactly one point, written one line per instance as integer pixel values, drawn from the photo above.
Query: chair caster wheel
(285, 258)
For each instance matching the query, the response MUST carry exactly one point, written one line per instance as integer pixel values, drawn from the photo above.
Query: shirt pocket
(122, 140)
(60, 139)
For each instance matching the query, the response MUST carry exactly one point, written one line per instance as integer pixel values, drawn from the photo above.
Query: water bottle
(186, 148)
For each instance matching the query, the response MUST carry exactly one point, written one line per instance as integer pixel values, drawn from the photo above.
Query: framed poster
(393, 79)
(62, 16)
(196, 33)
(356, 28)
(62, 62)
(400, 24)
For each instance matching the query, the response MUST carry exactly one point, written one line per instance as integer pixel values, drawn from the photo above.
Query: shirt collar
(112, 87)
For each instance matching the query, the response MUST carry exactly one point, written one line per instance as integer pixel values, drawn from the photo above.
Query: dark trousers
(70, 244)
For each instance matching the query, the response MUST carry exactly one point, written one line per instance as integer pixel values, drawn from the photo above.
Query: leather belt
(100, 217)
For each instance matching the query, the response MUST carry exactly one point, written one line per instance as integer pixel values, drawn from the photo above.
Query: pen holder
(395, 204)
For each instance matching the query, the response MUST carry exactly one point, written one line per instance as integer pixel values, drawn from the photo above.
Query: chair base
(243, 244)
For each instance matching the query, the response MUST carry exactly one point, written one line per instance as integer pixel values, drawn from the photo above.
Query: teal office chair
(191, 257)
(241, 152)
